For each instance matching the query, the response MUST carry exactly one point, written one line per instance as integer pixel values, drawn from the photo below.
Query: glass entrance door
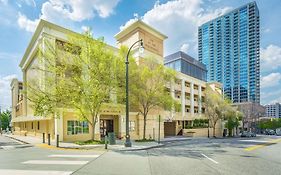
(106, 126)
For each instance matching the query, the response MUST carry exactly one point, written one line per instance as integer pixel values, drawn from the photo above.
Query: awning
(29, 118)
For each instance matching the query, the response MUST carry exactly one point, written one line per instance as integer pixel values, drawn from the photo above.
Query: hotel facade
(188, 90)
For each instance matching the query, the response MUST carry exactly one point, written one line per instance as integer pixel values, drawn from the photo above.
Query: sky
(178, 19)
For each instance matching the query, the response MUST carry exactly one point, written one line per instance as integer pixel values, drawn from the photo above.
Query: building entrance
(106, 126)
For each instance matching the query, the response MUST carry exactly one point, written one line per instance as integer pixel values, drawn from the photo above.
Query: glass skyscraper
(229, 46)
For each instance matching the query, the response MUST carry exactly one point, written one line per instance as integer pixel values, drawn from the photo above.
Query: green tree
(148, 88)
(82, 74)
(5, 119)
(216, 107)
(232, 121)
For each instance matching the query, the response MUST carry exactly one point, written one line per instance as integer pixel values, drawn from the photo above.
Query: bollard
(49, 139)
(57, 140)
(105, 142)
(43, 137)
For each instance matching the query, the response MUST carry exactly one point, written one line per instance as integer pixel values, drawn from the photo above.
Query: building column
(200, 99)
(172, 90)
(122, 126)
(183, 98)
(59, 126)
(192, 98)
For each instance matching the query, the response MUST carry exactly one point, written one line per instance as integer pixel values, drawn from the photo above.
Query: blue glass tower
(229, 46)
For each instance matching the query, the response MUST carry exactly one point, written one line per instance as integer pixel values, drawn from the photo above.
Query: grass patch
(90, 142)
(145, 140)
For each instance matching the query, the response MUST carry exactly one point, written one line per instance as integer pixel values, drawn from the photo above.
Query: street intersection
(260, 155)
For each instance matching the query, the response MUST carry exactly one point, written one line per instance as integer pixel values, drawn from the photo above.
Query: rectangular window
(38, 125)
(31, 125)
(132, 126)
(77, 127)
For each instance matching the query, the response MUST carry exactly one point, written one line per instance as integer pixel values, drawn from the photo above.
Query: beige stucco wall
(25, 128)
(78, 137)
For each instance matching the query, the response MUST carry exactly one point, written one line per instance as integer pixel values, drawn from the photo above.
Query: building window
(31, 125)
(77, 127)
(38, 125)
(132, 126)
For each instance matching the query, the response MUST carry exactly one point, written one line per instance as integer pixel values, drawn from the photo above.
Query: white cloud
(85, 28)
(5, 92)
(26, 23)
(78, 10)
(271, 80)
(185, 47)
(5, 2)
(179, 20)
(267, 30)
(63, 11)
(270, 58)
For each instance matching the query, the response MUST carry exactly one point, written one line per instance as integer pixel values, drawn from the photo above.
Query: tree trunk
(214, 129)
(144, 126)
(229, 132)
(94, 127)
(94, 132)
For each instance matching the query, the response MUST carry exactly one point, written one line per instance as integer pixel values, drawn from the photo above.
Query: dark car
(245, 134)
(252, 134)
(270, 132)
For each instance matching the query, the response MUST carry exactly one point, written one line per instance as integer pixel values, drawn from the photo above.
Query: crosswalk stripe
(8, 147)
(74, 156)
(55, 162)
(32, 172)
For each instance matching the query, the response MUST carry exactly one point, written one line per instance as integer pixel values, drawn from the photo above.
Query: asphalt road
(248, 156)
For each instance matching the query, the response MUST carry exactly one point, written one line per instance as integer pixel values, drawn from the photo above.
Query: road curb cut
(23, 142)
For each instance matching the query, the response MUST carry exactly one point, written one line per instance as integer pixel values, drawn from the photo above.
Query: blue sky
(178, 19)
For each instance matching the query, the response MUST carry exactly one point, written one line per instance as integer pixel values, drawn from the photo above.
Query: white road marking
(74, 156)
(256, 141)
(8, 147)
(33, 172)
(210, 158)
(55, 162)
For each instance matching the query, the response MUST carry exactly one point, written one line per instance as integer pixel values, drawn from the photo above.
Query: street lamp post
(128, 142)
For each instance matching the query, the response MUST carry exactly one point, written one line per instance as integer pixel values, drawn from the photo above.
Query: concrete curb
(83, 147)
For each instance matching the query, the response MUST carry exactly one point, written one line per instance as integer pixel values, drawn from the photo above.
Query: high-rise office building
(273, 110)
(185, 64)
(229, 46)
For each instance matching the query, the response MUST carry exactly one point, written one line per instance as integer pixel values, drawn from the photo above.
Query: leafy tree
(5, 119)
(270, 124)
(216, 107)
(82, 74)
(148, 88)
(232, 121)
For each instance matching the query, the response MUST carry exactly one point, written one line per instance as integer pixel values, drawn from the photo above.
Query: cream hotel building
(188, 89)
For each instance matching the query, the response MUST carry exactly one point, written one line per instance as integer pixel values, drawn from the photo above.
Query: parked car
(252, 134)
(248, 134)
(270, 132)
(278, 132)
(245, 134)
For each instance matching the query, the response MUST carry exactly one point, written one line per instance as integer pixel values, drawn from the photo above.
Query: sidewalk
(119, 146)
(36, 141)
